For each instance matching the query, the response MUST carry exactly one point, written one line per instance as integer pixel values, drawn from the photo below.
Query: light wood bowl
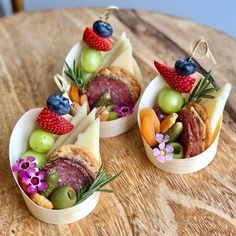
(18, 145)
(115, 127)
(176, 166)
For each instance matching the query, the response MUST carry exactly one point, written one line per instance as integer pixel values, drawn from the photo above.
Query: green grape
(41, 159)
(41, 141)
(169, 100)
(90, 59)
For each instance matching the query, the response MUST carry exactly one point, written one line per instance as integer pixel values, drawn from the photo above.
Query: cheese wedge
(86, 122)
(76, 120)
(125, 59)
(122, 43)
(215, 106)
(90, 139)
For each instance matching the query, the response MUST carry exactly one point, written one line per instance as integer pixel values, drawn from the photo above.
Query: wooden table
(146, 201)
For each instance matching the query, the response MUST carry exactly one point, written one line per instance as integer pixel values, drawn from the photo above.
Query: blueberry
(184, 66)
(102, 28)
(58, 104)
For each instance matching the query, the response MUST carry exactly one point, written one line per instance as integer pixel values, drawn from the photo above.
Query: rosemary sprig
(77, 75)
(202, 89)
(100, 181)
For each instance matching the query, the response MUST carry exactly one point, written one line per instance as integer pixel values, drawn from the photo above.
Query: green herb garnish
(78, 76)
(100, 181)
(202, 89)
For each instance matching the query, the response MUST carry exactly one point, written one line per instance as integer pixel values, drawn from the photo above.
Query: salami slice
(71, 173)
(121, 85)
(186, 137)
(119, 92)
(190, 137)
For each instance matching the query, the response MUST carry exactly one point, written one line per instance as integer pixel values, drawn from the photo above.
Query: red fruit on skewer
(179, 83)
(96, 41)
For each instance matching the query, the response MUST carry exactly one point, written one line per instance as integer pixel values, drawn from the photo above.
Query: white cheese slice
(76, 120)
(125, 59)
(86, 122)
(122, 43)
(215, 106)
(89, 139)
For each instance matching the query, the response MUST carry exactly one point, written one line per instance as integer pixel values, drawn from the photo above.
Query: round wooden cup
(115, 127)
(176, 166)
(18, 145)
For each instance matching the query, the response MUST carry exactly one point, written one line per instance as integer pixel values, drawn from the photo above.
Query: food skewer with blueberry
(114, 88)
(183, 122)
(58, 177)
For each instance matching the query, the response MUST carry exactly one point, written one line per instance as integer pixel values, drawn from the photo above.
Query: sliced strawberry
(53, 122)
(95, 41)
(180, 83)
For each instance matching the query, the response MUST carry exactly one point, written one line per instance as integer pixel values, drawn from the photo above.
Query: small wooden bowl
(176, 166)
(115, 127)
(18, 145)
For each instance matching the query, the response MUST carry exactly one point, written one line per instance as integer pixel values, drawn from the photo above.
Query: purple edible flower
(161, 138)
(30, 175)
(34, 181)
(124, 110)
(24, 165)
(163, 152)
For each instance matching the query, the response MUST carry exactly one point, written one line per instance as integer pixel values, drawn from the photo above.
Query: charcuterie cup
(18, 145)
(176, 166)
(115, 127)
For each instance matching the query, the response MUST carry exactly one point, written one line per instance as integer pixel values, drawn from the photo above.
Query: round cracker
(124, 76)
(77, 153)
(205, 118)
(202, 129)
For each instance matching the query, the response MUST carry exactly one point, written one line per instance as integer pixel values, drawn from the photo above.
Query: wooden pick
(108, 11)
(207, 51)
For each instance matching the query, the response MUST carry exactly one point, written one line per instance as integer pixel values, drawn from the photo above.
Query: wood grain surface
(146, 201)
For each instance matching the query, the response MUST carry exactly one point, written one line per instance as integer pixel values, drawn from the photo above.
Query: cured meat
(122, 86)
(119, 92)
(186, 136)
(190, 137)
(71, 172)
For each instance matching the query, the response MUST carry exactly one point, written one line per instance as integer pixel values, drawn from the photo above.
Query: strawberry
(53, 122)
(95, 41)
(180, 83)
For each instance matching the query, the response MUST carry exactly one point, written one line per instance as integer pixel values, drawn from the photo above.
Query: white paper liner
(18, 145)
(118, 126)
(176, 166)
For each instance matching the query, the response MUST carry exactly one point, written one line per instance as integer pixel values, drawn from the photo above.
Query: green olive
(178, 152)
(104, 100)
(110, 107)
(175, 131)
(52, 180)
(113, 115)
(63, 197)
